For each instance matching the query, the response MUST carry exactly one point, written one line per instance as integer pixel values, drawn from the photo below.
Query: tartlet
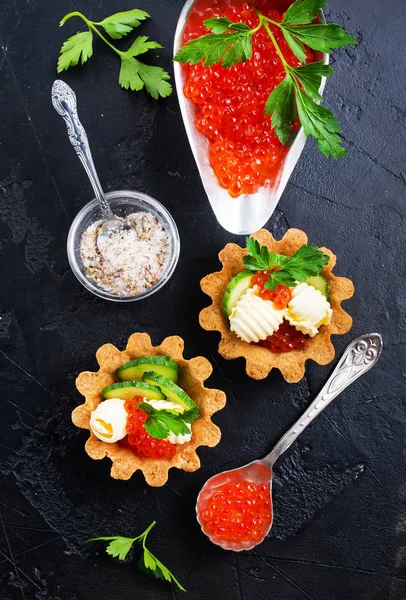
(192, 375)
(259, 360)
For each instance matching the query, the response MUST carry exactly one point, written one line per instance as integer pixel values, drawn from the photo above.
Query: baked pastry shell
(192, 375)
(259, 360)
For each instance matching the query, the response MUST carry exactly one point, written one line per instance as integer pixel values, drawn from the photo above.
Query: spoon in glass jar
(234, 508)
(64, 102)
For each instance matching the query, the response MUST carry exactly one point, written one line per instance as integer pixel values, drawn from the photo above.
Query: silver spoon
(360, 356)
(248, 213)
(64, 102)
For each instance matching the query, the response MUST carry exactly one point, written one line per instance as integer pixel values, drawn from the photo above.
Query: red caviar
(245, 153)
(138, 440)
(285, 339)
(281, 296)
(237, 512)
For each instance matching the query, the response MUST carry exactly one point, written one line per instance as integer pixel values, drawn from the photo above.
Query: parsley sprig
(119, 547)
(306, 262)
(298, 94)
(162, 422)
(134, 74)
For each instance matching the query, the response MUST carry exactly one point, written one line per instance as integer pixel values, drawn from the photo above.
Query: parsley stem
(275, 43)
(101, 36)
(271, 21)
(146, 532)
(92, 26)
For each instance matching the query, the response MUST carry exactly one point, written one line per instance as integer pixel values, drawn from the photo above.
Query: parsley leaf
(259, 258)
(279, 278)
(120, 24)
(219, 47)
(295, 45)
(135, 74)
(161, 423)
(306, 262)
(78, 47)
(281, 104)
(219, 25)
(320, 36)
(303, 11)
(285, 270)
(155, 80)
(310, 77)
(141, 45)
(153, 567)
(120, 546)
(319, 122)
(190, 415)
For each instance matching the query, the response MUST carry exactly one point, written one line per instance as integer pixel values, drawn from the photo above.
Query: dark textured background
(340, 527)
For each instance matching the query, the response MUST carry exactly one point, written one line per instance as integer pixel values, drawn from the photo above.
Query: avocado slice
(172, 391)
(320, 283)
(134, 370)
(235, 289)
(127, 390)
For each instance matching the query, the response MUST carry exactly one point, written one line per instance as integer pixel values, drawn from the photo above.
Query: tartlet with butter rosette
(147, 408)
(276, 304)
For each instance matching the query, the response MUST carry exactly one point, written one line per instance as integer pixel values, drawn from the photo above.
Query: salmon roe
(138, 440)
(285, 339)
(237, 512)
(245, 154)
(281, 296)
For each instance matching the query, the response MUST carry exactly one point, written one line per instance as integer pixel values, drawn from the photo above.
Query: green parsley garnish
(134, 74)
(307, 262)
(298, 94)
(119, 547)
(162, 422)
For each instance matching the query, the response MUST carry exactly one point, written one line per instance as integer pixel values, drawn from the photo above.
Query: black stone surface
(340, 503)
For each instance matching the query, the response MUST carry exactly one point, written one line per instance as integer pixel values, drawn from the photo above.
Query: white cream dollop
(109, 421)
(182, 438)
(254, 319)
(308, 309)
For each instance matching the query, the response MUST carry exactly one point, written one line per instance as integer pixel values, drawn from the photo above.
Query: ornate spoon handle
(360, 356)
(64, 102)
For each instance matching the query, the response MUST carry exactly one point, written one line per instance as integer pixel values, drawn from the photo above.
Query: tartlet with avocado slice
(276, 304)
(147, 408)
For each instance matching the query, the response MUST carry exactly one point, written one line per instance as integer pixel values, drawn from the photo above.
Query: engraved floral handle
(360, 356)
(64, 102)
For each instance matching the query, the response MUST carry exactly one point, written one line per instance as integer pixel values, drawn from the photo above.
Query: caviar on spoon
(234, 508)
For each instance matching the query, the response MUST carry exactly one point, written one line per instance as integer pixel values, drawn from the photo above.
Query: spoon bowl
(359, 357)
(247, 213)
(255, 472)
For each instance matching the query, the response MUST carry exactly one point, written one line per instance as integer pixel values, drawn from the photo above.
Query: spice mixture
(126, 263)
